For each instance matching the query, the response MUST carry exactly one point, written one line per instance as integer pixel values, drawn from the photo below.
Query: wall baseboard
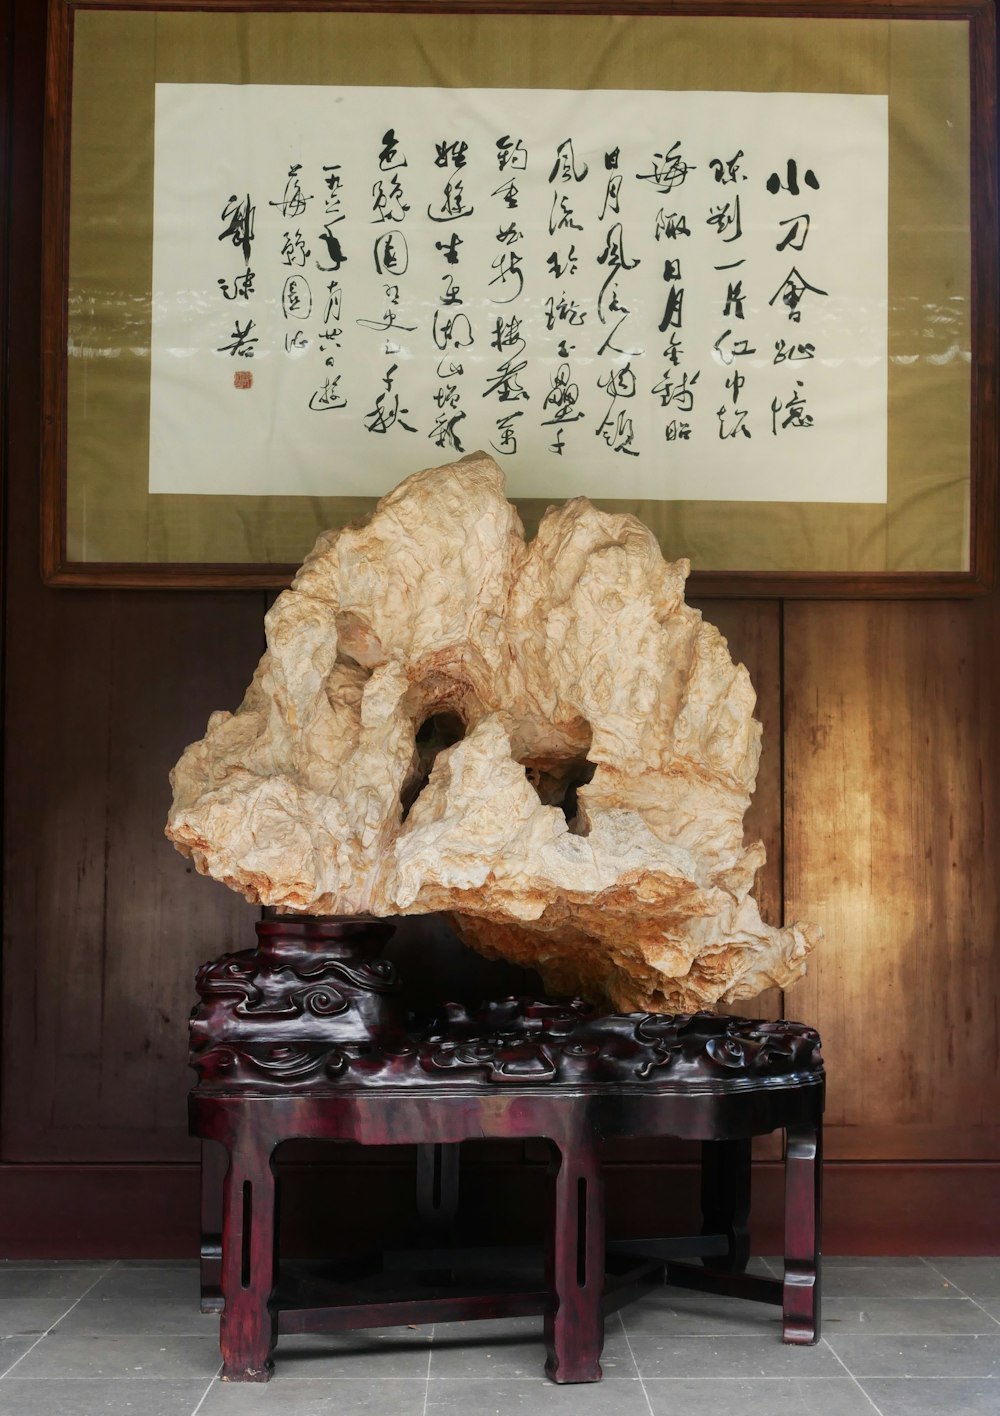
(151, 1211)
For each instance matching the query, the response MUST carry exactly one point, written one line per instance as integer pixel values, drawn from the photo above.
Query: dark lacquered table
(307, 1037)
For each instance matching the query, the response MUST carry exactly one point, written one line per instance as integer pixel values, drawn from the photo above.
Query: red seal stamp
(243, 378)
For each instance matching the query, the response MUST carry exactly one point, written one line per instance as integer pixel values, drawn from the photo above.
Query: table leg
(803, 1195)
(248, 1328)
(574, 1331)
(437, 1188)
(725, 1201)
(213, 1176)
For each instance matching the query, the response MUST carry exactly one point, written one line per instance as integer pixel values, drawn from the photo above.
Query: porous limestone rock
(541, 740)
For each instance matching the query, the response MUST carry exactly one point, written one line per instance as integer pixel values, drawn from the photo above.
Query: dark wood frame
(59, 570)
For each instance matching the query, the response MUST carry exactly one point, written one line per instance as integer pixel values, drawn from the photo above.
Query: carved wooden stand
(306, 1037)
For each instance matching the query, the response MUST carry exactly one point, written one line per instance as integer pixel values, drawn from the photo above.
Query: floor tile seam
(204, 1396)
(980, 1337)
(17, 1266)
(921, 1377)
(131, 1332)
(427, 1375)
(842, 1377)
(957, 1297)
(953, 1299)
(638, 1369)
(958, 1288)
(660, 1335)
(644, 1338)
(84, 1379)
(867, 1395)
(44, 1335)
(911, 1333)
(285, 1380)
(663, 1331)
(994, 1380)
(769, 1337)
(542, 1381)
(935, 1269)
(282, 1380)
(874, 1261)
(825, 1377)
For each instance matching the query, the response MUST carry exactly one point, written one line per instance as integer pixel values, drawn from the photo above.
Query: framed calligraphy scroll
(733, 272)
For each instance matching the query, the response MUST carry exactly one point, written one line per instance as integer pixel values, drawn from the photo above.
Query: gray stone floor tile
(30, 1315)
(65, 1285)
(142, 1300)
(679, 1311)
(99, 1398)
(838, 1261)
(7, 1265)
(372, 1353)
(80, 1357)
(740, 1357)
(970, 1396)
(135, 1344)
(919, 1316)
(918, 1356)
(979, 1278)
(513, 1347)
(346, 1397)
(886, 1281)
(193, 1265)
(835, 1262)
(759, 1266)
(513, 1396)
(782, 1396)
(11, 1348)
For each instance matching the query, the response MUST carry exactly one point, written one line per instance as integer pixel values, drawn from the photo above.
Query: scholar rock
(542, 740)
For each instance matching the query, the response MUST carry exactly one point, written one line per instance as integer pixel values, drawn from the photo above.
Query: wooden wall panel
(753, 629)
(106, 923)
(151, 1211)
(892, 747)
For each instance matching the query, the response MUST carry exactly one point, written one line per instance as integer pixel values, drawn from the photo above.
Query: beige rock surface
(542, 740)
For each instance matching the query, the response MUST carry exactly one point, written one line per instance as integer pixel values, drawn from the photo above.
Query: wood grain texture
(892, 799)
(151, 1211)
(753, 629)
(106, 924)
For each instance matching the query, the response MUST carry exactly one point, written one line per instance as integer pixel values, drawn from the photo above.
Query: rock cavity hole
(557, 784)
(433, 735)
